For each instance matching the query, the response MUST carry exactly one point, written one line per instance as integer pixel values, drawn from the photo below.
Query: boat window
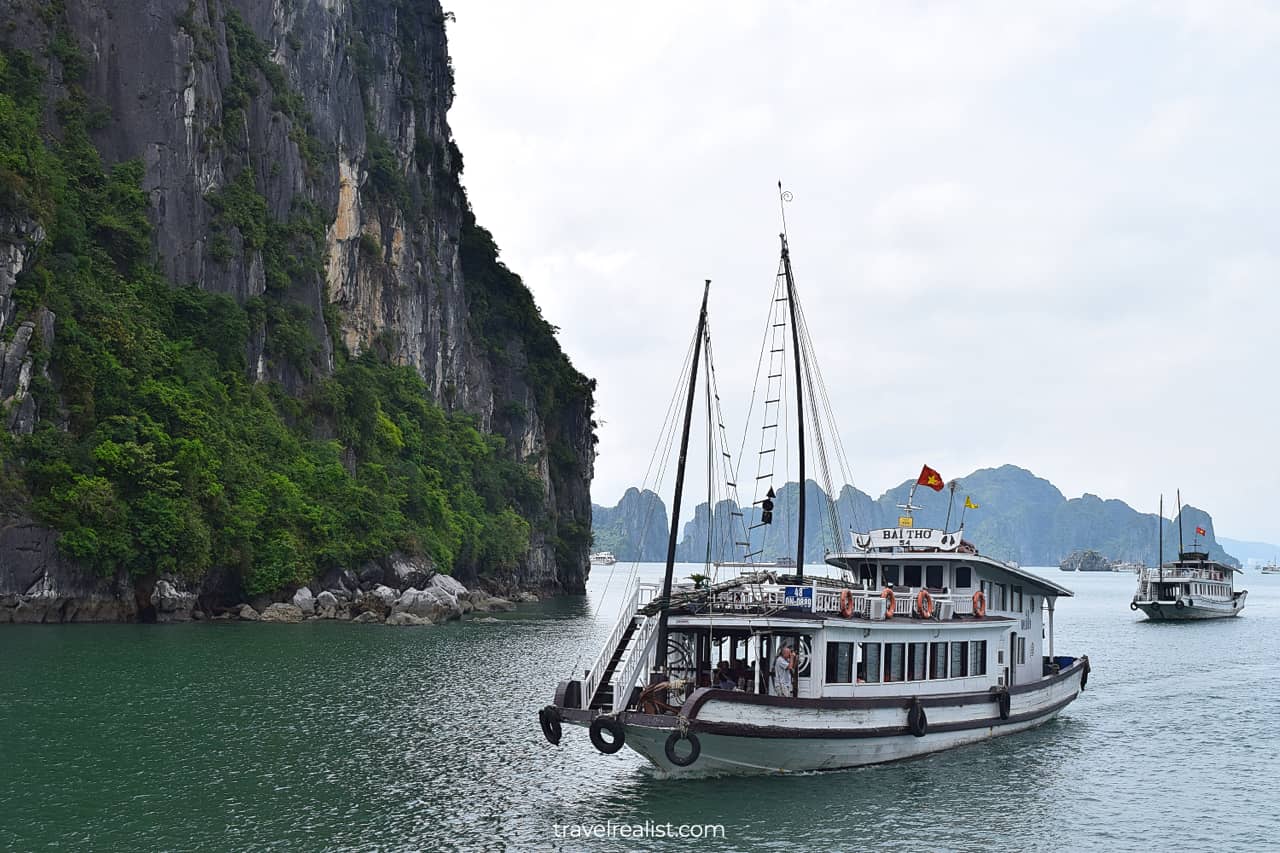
(911, 575)
(917, 655)
(894, 663)
(839, 663)
(1031, 604)
(1001, 597)
(933, 577)
(964, 576)
(1017, 600)
(978, 657)
(890, 575)
(938, 660)
(1022, 650)
(959, 660)
(869, 663)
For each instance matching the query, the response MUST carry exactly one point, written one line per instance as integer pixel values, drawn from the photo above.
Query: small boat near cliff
(916, 644)
(603, 558)
(1190, 588)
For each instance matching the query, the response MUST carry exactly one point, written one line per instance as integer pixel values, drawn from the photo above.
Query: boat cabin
(896, 618)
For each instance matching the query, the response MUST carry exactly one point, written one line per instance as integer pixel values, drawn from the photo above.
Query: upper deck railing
(1177, 573)
(772, 598)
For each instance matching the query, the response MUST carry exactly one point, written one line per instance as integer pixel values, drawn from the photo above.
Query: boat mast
(795, 343)
(1160, 538)
(1179, 524)
(675, 503)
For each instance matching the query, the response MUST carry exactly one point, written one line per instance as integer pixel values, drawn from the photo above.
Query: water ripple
(343, 737)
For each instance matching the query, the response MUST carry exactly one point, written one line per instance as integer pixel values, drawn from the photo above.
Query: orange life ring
(887, 595)
(924, 604)
(846, 603)
(979, 604)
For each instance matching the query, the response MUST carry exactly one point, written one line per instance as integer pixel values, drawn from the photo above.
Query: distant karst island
(1021, 517)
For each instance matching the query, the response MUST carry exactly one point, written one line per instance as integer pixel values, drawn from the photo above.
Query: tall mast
(1179, 524)
(675, 503)
(1160, 539)
(795, 343)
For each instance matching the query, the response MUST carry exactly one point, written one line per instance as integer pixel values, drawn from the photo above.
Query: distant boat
(603, 558)
(1192, 587)
(1271, 568)
(1129, 567)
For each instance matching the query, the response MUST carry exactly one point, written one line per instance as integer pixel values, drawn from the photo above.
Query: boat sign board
(906, 537)
(798, 597)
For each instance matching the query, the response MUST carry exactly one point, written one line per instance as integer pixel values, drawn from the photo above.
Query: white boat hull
(1203, 608)
(742, 737)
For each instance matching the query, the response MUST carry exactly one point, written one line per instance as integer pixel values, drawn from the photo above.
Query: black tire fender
(1133, 605)
(1084, 676)
(610, 724)
(917, 719)
(549, 719)
(1178, 604)
(695, 748)
(1002, 699)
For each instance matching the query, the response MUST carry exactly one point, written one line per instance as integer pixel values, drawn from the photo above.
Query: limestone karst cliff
(294, 156)
(1020, 517)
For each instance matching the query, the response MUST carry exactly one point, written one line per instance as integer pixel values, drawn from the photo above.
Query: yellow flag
(968, 504)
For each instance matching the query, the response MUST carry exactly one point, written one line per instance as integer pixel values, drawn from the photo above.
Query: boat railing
(1182, 573)
(630, 601)
(638, 659)
(867, 604)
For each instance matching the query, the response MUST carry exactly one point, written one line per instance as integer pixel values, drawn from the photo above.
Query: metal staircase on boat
(603, 700)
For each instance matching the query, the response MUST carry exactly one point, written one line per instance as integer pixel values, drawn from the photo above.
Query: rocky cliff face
(635, 530)
(297, 157)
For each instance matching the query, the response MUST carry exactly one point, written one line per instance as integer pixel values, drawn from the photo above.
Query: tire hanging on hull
(610, 724)
(695, 748)
(917, 720)
(549, 719)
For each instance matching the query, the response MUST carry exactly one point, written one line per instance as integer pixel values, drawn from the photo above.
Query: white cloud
(1056, 225)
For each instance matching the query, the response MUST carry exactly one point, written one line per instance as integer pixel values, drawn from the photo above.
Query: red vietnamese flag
(930, 478)
(1200, 532)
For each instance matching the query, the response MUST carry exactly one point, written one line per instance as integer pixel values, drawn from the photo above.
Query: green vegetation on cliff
(171, 459)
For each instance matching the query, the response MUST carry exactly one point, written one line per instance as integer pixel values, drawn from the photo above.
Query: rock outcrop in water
(295, 157)
(1085, 561)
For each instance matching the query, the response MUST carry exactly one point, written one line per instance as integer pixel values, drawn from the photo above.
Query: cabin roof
(851, 559)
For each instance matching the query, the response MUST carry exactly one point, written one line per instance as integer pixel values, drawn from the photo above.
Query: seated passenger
(724, 679)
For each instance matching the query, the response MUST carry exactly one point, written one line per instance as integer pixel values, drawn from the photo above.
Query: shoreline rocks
(41, 586)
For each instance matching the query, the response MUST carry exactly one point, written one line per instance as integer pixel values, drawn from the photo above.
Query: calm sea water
(330, 736)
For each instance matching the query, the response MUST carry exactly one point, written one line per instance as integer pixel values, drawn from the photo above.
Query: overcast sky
(1023, 234)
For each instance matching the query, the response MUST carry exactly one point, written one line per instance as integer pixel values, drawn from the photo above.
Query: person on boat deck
(724, 679)
(782, 666)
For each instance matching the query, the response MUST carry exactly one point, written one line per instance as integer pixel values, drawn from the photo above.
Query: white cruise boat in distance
(1193, 587)
(918, 644)
(603, 558)
(1271, 568)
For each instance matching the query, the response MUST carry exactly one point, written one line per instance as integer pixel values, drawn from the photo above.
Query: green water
(327, 736)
